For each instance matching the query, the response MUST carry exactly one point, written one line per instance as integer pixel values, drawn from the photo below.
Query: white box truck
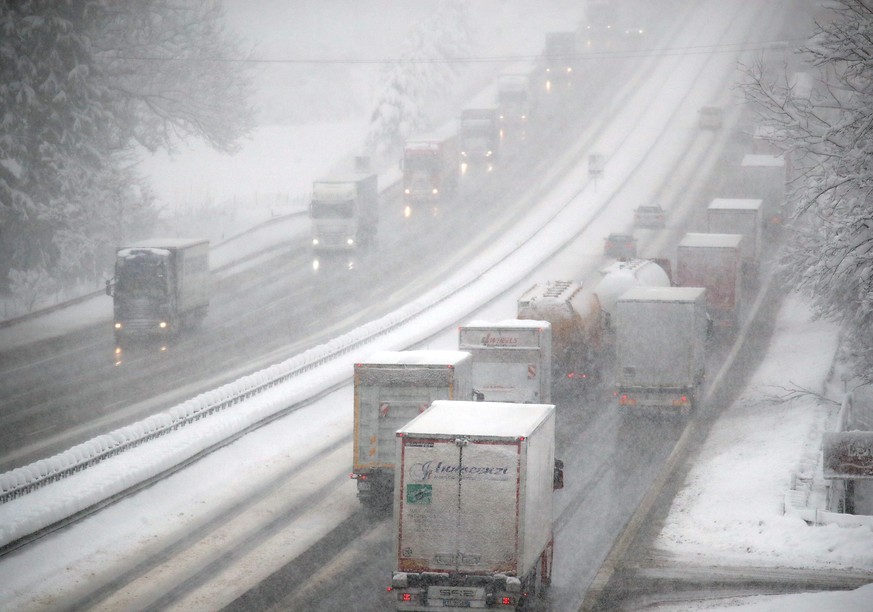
(512, 359)
(390, 389)
(473, 506)
(161, 286)
(344, 212)
(661, 347)
(515, 94)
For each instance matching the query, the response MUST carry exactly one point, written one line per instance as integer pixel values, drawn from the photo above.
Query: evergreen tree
(81, 84)
(427, 69)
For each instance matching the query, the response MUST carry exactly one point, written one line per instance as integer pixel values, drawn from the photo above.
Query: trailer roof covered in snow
(757, 159)
(417, 357)
(700, 240)
(165, 243)
(735, 204)
(662, 294)
(508, 324)
(487, 419)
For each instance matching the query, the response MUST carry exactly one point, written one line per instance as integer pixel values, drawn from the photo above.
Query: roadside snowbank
(730, 511)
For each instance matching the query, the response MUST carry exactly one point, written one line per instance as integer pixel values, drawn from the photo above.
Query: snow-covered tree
(426, 70)
(827, 134)
(81, 83)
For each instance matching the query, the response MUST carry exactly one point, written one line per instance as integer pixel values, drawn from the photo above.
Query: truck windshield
(513, 97)
(418, 163)
(478, 128)
(141, 276)
(332, 210)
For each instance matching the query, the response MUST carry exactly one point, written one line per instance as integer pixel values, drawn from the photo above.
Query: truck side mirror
(558, 479)
(109, 287)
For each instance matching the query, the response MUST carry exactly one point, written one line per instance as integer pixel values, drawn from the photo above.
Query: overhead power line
(586, 55)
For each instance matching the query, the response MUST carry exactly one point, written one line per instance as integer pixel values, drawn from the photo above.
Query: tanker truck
(620, 276)
(577, 335)
(582, 320)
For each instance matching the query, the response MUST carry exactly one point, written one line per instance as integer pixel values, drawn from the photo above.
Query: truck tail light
(507, 601)
(625, 400)
(681, 401)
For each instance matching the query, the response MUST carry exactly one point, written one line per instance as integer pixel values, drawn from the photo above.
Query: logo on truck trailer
(489, 340)
(427, 471)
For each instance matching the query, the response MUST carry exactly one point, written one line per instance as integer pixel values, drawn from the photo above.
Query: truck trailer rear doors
(459, 506)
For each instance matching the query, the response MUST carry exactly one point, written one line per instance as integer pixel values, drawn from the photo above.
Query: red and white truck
(390, 389)
(713, 261)
(473, 506)
(742, 216)
(430, 170)
(512, 359)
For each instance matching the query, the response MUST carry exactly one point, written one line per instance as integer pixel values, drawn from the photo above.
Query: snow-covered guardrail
(815, 495)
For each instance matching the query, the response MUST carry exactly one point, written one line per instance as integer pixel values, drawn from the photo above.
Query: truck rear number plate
(457, 597)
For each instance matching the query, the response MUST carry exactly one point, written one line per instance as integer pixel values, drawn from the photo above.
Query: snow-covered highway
(289, 477)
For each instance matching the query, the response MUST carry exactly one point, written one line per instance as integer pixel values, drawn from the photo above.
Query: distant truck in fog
(390, 389)
(511, 359)
(515, 94)
(479, 137)
(713, 261)
(560, 57)
(160, 287)
(430, 170)
(661, 337)
(344, 212)
(742, 216)
(473, 507)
